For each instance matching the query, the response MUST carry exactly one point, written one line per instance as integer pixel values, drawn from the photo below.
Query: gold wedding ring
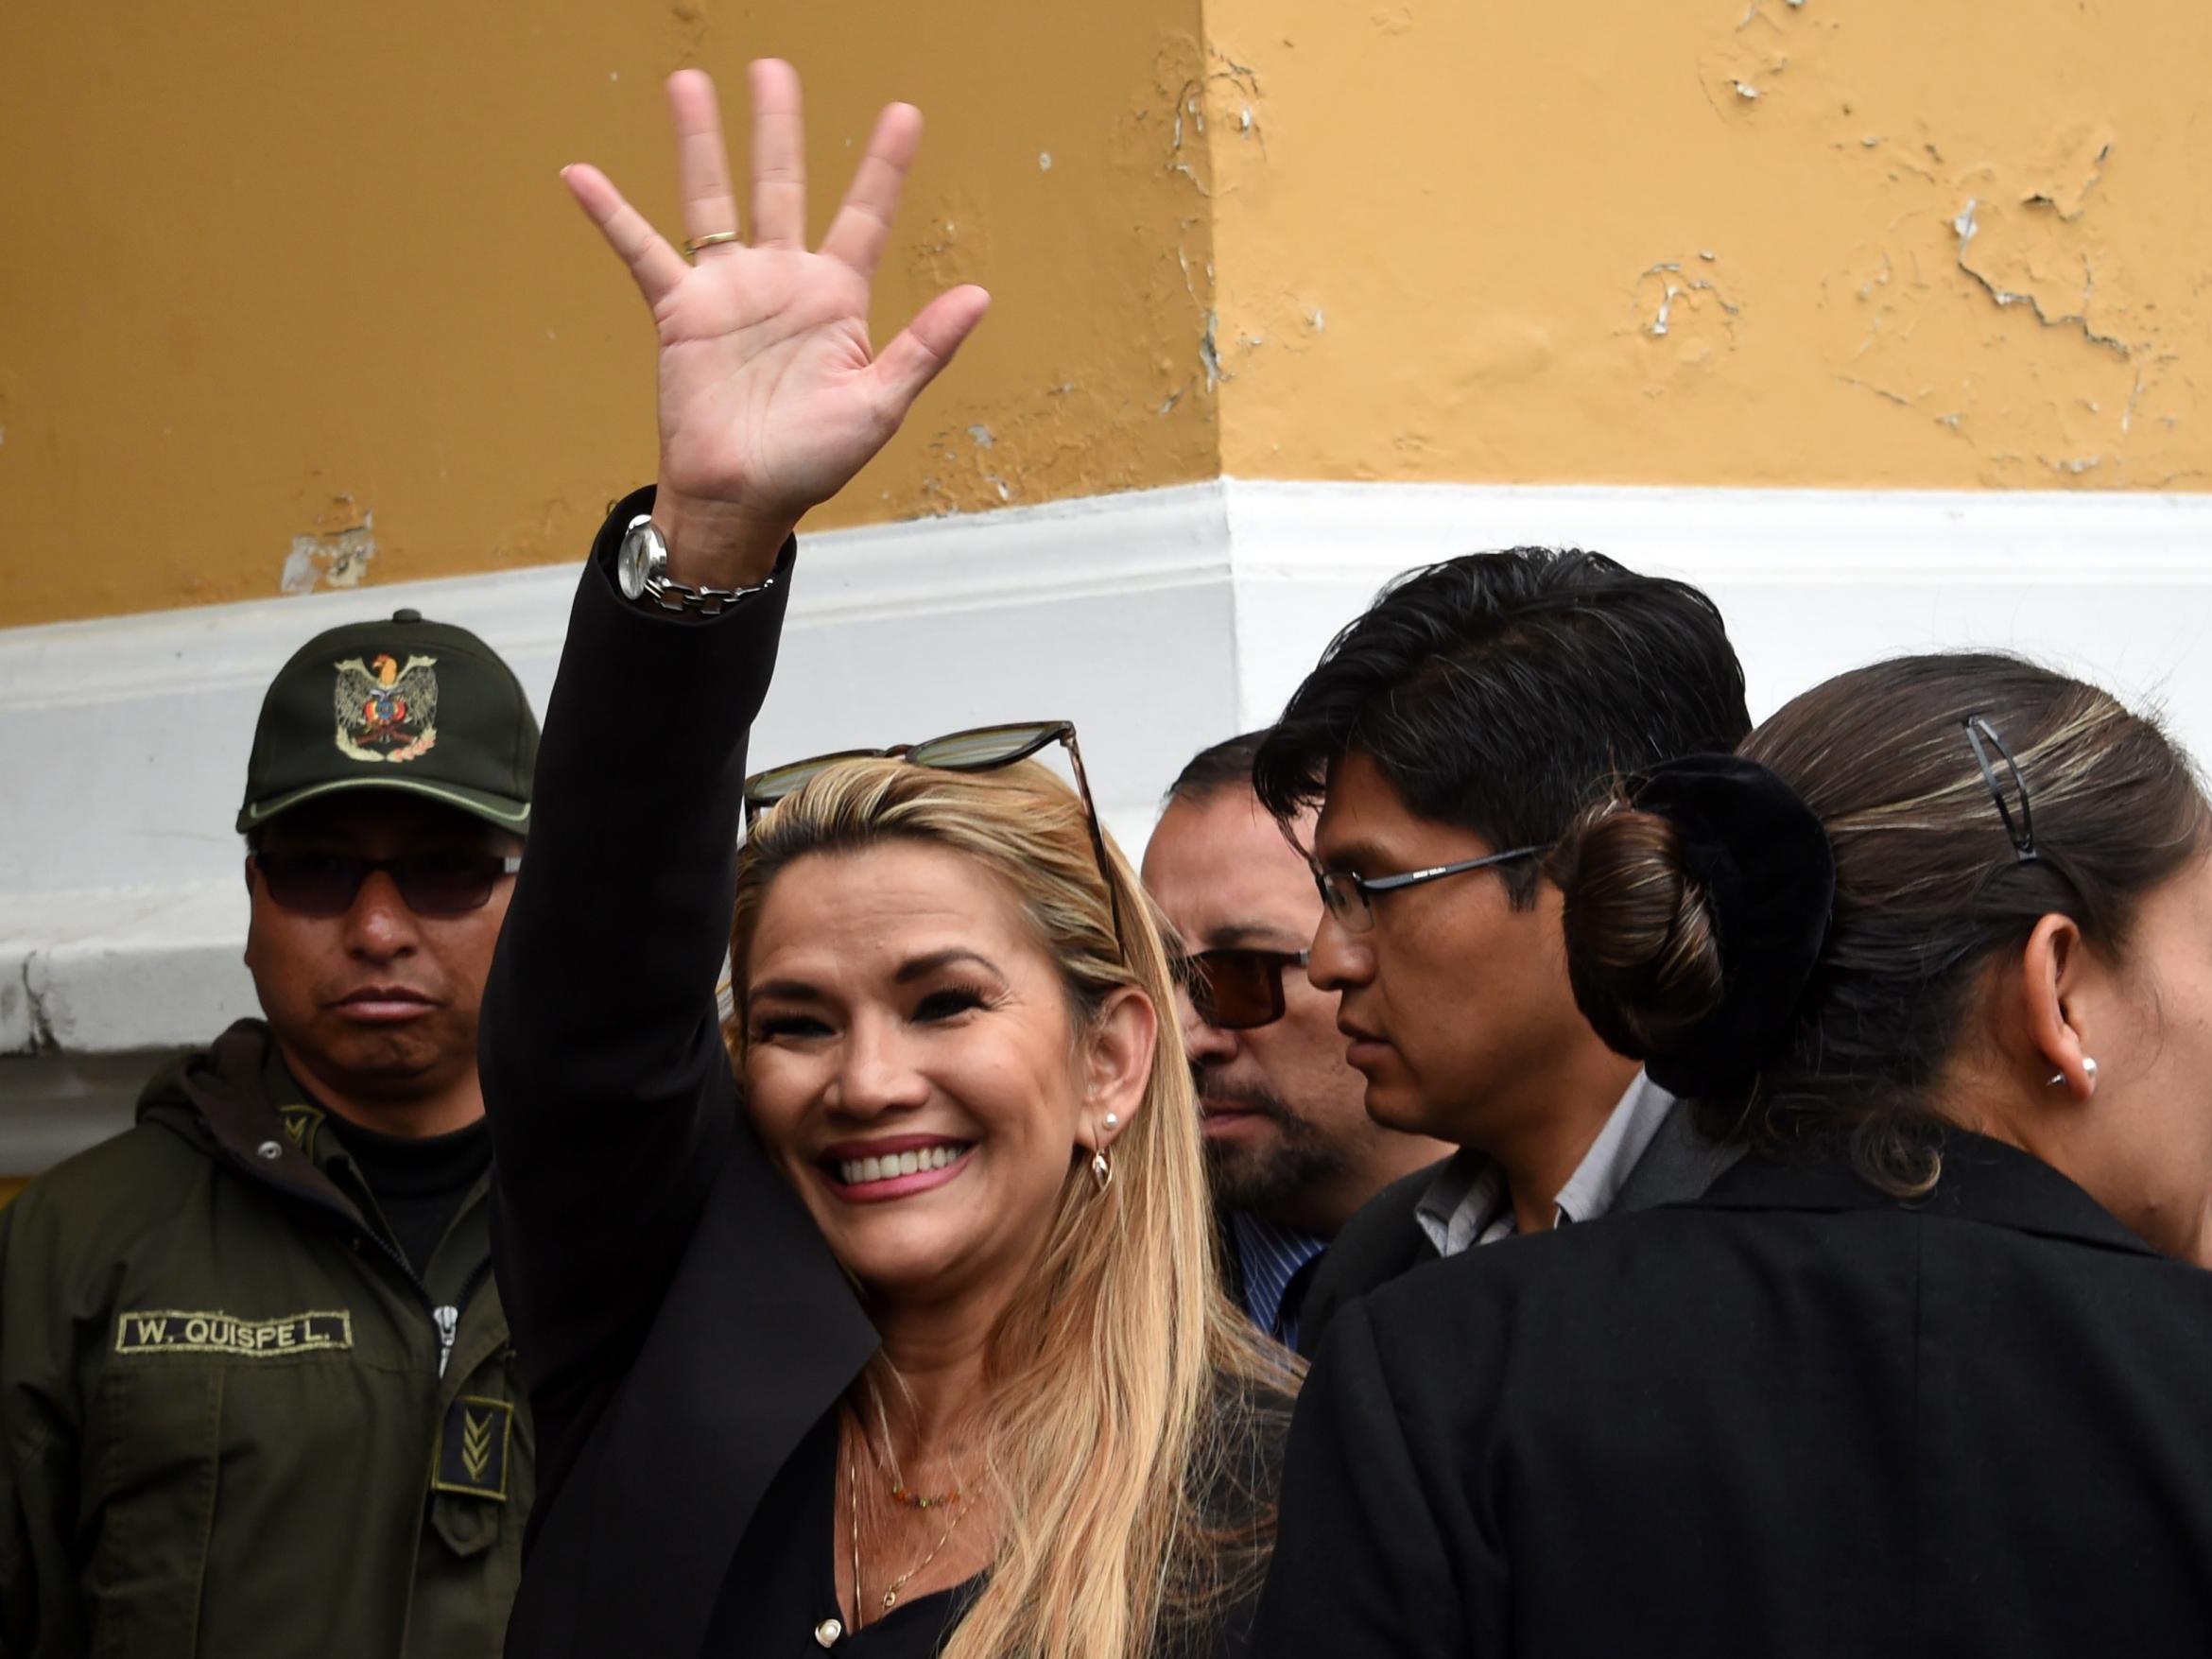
(692, 245)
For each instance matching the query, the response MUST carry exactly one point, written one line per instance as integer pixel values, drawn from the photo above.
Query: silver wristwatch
(641, 570)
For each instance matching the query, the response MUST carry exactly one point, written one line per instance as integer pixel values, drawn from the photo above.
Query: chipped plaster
(1769, 243)
(370, 273)
(1287, 239)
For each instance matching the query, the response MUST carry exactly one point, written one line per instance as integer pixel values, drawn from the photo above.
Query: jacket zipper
(445, 1319)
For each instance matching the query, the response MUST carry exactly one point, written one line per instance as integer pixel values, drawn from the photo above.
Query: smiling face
(914, 1066)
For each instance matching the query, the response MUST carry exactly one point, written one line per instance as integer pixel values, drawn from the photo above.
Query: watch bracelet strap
(691, 601)
(685, 600)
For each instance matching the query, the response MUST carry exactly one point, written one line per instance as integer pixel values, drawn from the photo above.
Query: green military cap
(422, 707)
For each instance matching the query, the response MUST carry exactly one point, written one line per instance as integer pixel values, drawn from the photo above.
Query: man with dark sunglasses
(257, 1333)
(1290, 1150)
(1450, 736)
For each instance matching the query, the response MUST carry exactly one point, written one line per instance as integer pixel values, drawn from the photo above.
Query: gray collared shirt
(1467, 1204)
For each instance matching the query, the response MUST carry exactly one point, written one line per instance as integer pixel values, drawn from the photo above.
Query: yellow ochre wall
(1860, 242)
(291, 294)
(275, 273)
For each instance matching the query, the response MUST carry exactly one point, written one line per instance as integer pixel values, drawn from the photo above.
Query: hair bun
(1643, 954)
(1695, 918)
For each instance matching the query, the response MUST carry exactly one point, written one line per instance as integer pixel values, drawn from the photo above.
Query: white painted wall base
(1158, 621)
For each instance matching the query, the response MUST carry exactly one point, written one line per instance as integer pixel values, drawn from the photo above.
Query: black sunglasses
(980, 749)
(1239, 990)
(430, 884)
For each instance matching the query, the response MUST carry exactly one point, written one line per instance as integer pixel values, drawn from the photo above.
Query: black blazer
(680, 1322)
(1384, 1240)
(1796, 1417)
(684, 1329)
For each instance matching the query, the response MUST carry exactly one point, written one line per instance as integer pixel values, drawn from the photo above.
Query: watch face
(632, 563)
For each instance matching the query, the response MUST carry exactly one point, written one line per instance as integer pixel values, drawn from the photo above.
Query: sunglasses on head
(1239, 990)
(980, 749)
(430, 884)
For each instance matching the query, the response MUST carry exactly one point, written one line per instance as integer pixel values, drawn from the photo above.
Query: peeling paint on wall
(1298, 238)
(490, 390)
(1728, 241)
(335, 559)
(2059, 394)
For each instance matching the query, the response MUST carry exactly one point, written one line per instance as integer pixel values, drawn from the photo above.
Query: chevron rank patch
(301, 1123)
(472, 1447)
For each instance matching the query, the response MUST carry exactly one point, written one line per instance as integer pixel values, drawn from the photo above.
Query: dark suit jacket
(1384, 1240)
(1795, 1417)
(679, 1319)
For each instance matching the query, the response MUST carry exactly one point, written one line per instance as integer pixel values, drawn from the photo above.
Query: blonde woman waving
(882, 1319)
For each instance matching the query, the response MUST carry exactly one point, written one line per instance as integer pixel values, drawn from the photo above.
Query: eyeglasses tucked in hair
(980, 749)
(430, 884)
(1236, 990)
(1351, 898)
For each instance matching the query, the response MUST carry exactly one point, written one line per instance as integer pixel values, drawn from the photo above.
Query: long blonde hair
(1125, 1382)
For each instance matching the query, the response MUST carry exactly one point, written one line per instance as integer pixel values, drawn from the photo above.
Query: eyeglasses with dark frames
(979, 749)
(1351, 898)
(1239, 990)
(309, 883)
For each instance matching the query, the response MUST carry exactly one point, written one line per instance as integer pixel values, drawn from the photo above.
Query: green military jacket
(233, 1424)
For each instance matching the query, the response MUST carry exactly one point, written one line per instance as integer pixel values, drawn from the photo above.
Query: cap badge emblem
(387, 712)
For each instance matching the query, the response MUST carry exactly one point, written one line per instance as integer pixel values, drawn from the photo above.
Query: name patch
(169, 1331)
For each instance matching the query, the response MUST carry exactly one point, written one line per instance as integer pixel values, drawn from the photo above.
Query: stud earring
(1101, 1171)
(2089, 1066)
(1112, 1120)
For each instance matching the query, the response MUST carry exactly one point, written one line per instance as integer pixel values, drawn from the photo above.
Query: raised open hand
(770, 398)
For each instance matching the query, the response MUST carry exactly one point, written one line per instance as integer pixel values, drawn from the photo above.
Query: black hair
(1226, 765)
(1932, 881)
(1501, 692)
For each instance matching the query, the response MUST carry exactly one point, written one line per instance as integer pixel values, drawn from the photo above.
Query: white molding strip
(1158, 620)
(1802, 535)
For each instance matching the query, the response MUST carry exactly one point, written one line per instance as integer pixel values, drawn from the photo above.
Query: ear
(1117, 1063)
(2047, 1013)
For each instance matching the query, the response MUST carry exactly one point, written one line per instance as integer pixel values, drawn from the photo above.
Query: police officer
(256, 1391)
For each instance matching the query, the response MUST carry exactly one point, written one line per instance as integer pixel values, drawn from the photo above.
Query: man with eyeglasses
(256, 1389)
(1290, 1150)
(1449, 736)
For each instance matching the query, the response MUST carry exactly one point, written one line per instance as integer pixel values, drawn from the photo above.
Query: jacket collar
(1981, 1180)
(255, 1114)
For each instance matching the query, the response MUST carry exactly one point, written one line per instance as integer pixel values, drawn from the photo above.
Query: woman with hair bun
(1927, 1371)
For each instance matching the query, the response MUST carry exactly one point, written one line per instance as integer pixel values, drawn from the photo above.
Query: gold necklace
(890, 1594)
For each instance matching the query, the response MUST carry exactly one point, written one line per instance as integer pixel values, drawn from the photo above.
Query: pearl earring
(1112, 1120)
(2089, 1066)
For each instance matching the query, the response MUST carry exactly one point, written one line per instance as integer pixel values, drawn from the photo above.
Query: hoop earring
(2089, 1066)
(1101, 1171)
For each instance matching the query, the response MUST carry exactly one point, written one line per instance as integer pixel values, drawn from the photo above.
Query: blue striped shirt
(1275, 1263)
